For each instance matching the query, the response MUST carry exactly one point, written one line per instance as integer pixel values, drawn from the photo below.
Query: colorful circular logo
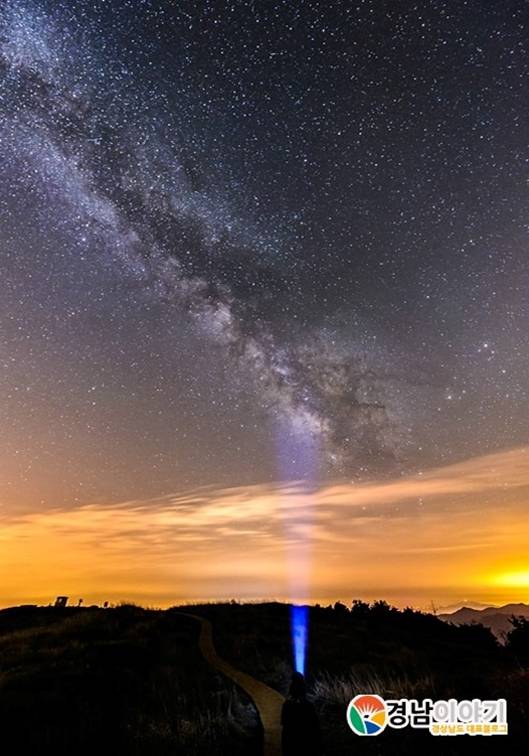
(366, 714)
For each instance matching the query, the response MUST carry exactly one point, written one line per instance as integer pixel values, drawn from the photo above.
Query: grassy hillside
(383, 650)
(123, 680)
(131, 681)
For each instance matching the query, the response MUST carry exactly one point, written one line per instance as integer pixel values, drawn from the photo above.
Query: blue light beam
(299, 620)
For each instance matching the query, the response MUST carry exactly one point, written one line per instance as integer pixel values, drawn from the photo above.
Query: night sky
(246, 242)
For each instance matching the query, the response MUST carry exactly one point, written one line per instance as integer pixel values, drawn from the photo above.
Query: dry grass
(340, 689)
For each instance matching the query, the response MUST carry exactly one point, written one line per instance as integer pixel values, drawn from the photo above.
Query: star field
(244, 241)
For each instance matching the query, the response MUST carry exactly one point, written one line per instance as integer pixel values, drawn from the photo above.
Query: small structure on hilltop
(61, 601)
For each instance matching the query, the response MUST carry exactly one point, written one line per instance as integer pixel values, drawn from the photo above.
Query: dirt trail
(267, 701)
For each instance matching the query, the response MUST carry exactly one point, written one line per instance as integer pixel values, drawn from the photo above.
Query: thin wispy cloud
(401, 536)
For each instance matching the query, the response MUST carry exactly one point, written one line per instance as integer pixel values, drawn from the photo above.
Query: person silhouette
(301, 730)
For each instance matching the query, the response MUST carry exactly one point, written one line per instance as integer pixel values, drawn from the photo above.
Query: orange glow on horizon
(450, 534)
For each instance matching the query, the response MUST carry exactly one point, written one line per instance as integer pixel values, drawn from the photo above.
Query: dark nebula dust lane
(224, 224)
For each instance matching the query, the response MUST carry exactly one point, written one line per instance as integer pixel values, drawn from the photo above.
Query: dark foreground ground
(132, 681)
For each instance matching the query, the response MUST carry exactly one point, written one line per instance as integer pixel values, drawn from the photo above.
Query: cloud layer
(442, 535)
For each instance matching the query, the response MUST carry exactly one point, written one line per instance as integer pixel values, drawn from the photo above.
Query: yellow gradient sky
(453, 534)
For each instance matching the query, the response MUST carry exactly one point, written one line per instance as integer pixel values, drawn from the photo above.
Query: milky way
(225, 224)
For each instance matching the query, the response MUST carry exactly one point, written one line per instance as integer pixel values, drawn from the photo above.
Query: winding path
(268, 701)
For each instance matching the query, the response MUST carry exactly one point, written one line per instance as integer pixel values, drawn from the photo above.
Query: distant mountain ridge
(497, 618)
(460, 605)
